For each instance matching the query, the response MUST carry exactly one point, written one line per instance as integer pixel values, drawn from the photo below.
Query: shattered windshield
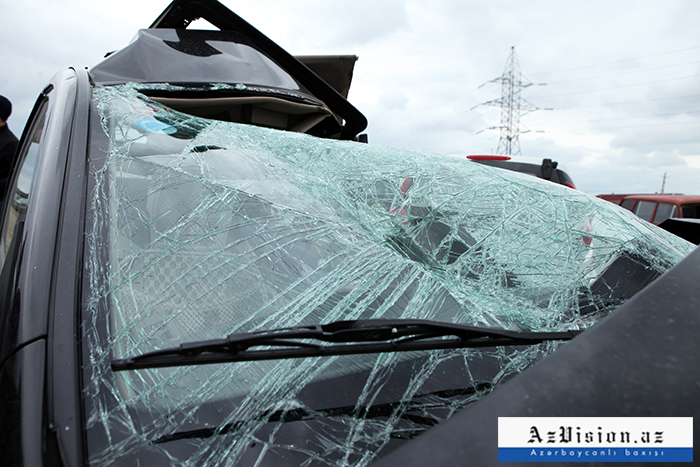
(197, 229)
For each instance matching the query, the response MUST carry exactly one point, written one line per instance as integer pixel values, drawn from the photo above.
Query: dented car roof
(235, 74)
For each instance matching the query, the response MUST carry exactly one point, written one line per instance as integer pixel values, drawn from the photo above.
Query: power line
(608, 104)
(627, 118)
(412, 116)
(644, 70)
(639, 126)
(621, 86)
(615, 62)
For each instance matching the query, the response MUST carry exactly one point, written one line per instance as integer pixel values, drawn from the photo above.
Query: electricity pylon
(512, 105)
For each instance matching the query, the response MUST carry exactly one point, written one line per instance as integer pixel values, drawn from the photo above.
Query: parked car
(656, 208)
(546, 169)
(202, 266)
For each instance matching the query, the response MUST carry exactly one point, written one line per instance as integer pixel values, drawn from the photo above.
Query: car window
(529, 169)
(627, 203)
(663, 212)
(564, 179)
(691, 211)
(645, 209)
(20, 190)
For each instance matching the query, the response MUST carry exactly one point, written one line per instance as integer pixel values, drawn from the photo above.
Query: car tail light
(570, 185)
(489, 158)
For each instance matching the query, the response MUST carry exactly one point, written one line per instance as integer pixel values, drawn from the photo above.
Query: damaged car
(203, 265)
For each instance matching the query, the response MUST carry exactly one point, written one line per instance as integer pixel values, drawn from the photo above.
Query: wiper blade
(359, 412)
(344, 338)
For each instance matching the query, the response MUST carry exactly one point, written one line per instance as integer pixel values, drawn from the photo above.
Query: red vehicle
(656, 208)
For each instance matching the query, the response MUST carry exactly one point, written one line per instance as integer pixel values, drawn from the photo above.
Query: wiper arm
(373, 335)
(359, 412)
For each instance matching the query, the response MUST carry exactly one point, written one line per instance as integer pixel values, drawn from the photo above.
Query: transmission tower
(512, 105)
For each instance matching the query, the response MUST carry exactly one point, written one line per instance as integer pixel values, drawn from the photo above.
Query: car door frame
(64, 365)
(45, 412)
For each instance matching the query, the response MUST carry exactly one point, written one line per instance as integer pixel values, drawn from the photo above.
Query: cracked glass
(198, 228)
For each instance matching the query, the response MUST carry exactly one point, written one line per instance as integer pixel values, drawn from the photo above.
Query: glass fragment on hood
(200, 228)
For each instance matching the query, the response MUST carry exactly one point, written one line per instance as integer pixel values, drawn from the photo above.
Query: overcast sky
(622, 77)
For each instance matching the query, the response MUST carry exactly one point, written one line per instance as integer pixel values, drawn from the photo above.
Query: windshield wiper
(373, 335)
(403, 409)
